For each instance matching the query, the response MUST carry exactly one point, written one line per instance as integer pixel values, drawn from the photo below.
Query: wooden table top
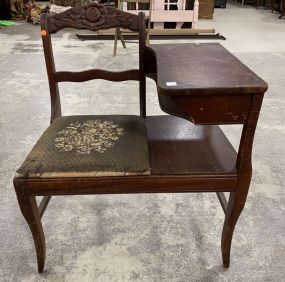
(206, 68)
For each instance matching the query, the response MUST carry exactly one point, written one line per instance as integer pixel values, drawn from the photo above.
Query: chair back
(94, 17)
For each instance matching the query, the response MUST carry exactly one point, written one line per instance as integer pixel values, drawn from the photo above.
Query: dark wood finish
(51, 72)
(184, 157)
(93, 16)
(203, 69)
(212, 87)
(238, 198)
(208, 109)
(31, 213)
(142, 50)
(96, 74)
(131, 185)
(178, 147)
(43, 205)
(223, 201)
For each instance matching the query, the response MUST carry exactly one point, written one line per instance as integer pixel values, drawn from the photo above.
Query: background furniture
(220, 4)
(163, 13)
(274, 5)
(5, 10)
(206, 9)
(182, 15)
(135, 7)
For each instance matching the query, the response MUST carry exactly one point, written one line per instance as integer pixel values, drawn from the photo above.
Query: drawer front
(208, 109)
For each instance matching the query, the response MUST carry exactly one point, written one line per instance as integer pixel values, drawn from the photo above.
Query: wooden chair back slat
(93, 16)
(96, 74)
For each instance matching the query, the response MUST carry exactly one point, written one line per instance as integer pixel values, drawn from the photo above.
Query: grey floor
(140, 237)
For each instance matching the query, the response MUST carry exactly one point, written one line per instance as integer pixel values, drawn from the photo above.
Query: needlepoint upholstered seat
(88, 146)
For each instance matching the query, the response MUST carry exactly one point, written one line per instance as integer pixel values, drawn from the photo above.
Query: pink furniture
(159, 15)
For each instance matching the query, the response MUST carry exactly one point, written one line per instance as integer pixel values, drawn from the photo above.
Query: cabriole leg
(30, 211)
(235, 206)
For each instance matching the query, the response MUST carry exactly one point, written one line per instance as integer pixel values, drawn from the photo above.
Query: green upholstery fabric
(88, 146)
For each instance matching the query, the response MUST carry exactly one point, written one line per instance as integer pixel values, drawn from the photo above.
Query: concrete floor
(140, 237)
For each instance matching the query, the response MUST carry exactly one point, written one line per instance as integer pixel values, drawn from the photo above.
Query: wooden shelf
(179, 147)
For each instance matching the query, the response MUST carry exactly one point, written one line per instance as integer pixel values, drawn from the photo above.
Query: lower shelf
(178, 147)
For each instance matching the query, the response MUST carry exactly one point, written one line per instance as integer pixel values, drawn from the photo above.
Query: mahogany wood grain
(142, 71)
(178, 147)
(131, 185)
(208, 109)
(244, 165)
(96, 74)
(202, 69)
(208, 85)
(93, 16)
(212, 87)
(31, 213)
(53, 85)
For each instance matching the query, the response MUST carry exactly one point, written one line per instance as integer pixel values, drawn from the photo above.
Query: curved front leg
(30, 211)
(234, 208)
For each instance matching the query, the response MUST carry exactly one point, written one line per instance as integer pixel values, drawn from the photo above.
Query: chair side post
(142, 74)
(50, 66)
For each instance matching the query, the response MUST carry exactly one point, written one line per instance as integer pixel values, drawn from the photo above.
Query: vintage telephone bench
(200, 86)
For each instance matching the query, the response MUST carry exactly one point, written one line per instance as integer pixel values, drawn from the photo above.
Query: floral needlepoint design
(90, 135)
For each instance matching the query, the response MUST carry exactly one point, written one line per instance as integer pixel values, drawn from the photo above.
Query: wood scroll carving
(93, 16)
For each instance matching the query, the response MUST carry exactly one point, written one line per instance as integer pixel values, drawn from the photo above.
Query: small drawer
(208, 109)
